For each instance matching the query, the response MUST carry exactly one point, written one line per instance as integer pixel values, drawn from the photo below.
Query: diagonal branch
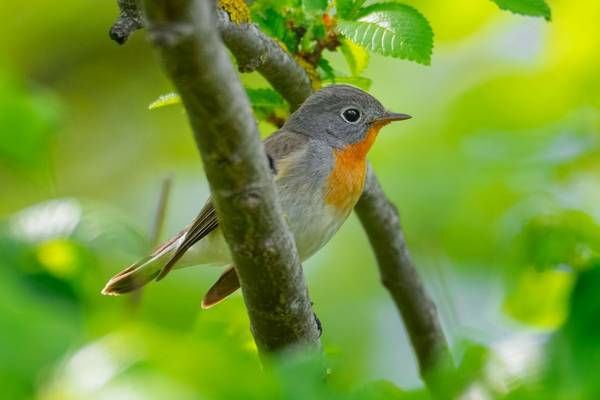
(378, 216)
(380, 219)
(256, 51)
(185, 35)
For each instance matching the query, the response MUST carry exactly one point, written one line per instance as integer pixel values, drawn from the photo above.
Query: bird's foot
(319, 326)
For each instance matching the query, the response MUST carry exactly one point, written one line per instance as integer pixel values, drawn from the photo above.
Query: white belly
(312, 222)
(311, 225)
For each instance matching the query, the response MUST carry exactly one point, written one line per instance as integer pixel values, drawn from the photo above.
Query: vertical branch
(190, 47)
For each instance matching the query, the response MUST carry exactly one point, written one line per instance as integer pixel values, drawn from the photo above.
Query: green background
(497, 179)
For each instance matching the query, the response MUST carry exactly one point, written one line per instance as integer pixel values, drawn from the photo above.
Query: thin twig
(129, 21)
(155, 231)
(161, 211)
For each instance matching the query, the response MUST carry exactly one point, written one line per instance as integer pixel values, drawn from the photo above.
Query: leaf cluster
(356, 28)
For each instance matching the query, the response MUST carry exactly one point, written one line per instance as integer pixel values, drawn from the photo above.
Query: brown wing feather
(204, 223)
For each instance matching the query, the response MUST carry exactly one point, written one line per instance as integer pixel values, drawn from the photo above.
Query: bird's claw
(319, 326)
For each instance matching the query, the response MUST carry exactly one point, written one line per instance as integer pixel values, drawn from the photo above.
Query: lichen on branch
(237, 9)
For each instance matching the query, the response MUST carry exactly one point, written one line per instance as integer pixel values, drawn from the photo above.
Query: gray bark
(256, 51)
(263, 250)
(129, 21)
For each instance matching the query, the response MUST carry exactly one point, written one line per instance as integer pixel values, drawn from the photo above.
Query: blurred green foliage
(34, 114)
(497, 179)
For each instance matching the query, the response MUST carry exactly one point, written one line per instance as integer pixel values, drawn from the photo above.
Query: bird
(318, 159)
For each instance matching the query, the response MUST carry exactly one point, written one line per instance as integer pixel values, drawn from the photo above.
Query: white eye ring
(351, 115)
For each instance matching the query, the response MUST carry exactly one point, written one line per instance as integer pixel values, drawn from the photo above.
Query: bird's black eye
(351, 115)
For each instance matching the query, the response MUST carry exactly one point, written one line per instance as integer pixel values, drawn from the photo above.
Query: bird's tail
(147, 269)
(140, 273)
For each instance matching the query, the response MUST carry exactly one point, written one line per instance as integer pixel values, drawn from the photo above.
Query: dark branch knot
(123, 28)
(129, 21)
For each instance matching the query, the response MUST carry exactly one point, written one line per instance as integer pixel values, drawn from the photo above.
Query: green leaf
(356, 56)
(165, 100)
(472, 365)
(266, 103)
(327, 69)
(264, 97)
(330, 75)
(28, 125)
(540, 298)
(391, 29)
(314, 6)
(271, 21)
(573, 352)
(318, 29)
(535, 8)
(570, 237)
(346, 9)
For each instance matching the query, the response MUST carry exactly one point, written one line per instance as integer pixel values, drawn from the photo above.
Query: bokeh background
(497, 179)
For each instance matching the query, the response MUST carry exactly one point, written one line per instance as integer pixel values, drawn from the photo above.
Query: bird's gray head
(340, 115)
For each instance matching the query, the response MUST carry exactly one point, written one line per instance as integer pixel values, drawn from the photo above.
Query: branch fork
(270, 274)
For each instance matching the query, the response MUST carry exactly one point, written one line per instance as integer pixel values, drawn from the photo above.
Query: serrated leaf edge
(367, 10)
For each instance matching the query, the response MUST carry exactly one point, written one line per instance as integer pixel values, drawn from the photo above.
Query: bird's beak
(389, 116)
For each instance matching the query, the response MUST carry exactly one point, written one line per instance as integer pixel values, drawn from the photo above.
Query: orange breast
(345, 185)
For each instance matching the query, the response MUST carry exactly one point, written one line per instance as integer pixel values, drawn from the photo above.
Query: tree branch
(256, 51)
(263, 250)
(253, 50)
(380, 219)
(129, 21)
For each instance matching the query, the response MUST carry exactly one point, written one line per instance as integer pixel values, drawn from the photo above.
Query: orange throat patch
(346, 182)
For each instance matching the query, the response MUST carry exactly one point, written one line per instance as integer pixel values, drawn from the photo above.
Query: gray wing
(282, 143)
(277, 146)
